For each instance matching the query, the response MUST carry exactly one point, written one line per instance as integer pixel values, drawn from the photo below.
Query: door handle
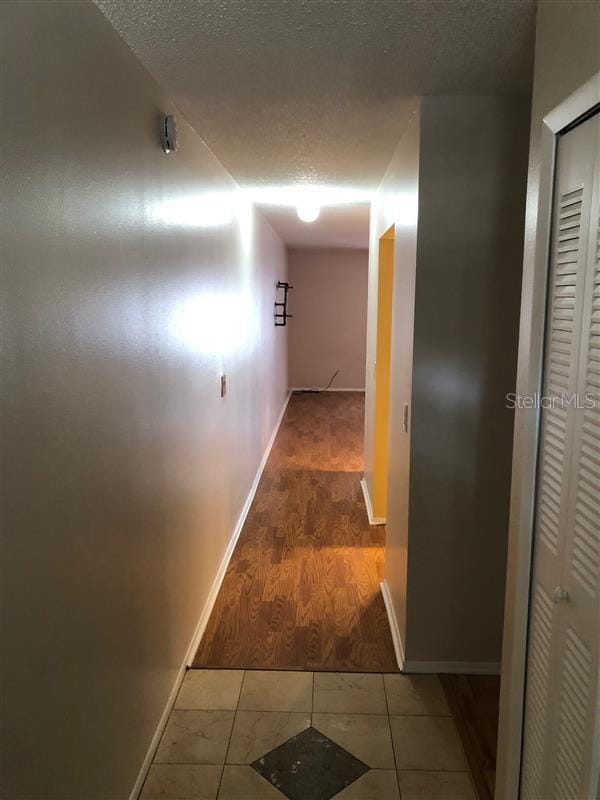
(560, 594)
(405, 418)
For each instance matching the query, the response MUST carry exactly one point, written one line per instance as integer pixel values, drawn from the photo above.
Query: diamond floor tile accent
(310, 766)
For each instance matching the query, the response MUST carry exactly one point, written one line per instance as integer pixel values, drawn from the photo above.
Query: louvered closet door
(561, 706)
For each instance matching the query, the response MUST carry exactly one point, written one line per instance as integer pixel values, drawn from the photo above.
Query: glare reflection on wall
(402, 208)
(212, 323)
(205, 210)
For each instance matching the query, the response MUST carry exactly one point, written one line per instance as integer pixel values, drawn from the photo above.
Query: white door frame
(525, 447)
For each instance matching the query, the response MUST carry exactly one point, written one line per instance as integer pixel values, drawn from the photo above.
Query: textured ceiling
(296, 91)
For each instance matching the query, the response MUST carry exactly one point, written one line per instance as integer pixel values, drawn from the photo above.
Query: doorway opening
(385, 283)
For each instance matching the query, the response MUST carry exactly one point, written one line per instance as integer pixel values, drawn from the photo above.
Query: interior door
(560, 747)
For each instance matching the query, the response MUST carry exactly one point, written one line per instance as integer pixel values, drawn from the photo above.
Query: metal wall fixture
(169, 138)
(281, 315)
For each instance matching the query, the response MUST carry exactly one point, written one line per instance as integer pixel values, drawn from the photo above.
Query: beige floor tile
(195, 737)
(429, 743)
(366, 736)
(244, 783)
(349, 693)
(181, 782)
(210, 689)
(436, 786)
(256, 733)
(377, 784)
(276, 691)
(415, 694)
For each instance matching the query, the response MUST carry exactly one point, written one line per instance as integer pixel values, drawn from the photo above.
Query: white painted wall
(131, 280)
(567, 55)
(329, 306)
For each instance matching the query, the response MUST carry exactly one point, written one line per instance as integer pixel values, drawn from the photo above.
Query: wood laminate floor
(302, 589)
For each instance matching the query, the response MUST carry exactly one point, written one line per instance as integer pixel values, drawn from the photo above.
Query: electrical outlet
(223, 385)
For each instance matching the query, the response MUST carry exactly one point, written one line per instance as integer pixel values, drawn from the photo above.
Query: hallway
(299, 399)
(302, 589)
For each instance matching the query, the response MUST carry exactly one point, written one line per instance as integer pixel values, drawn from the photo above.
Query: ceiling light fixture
(308, 211)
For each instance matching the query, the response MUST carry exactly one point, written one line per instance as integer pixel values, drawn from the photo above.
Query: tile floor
(393, 731)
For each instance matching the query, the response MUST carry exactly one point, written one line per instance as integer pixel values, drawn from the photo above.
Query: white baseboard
(427, 667)
(332, 389)
(454, 667)
(372, 520)
(396, 638)
(162, 724)
(206, 611)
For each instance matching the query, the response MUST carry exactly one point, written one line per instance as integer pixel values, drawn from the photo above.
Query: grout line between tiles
(371, 714)
(430, 769)
(235, 713)
(389, 719)
(423, 716)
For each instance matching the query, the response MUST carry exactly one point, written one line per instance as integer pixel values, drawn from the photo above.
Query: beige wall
(455, 190)
(567, 54)
(329, 304)
(471, 210)
(126, 292)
